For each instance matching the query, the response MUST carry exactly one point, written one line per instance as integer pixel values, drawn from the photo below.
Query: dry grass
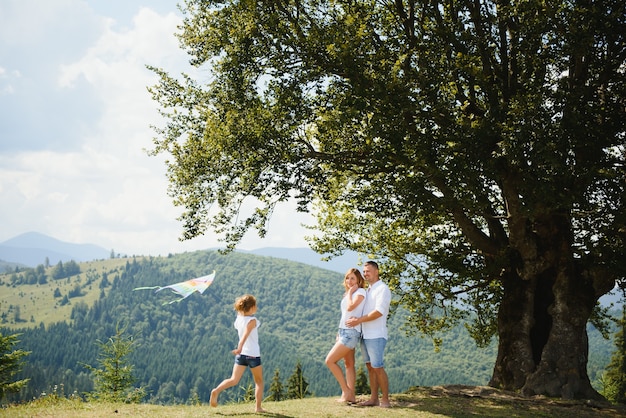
(440, 401)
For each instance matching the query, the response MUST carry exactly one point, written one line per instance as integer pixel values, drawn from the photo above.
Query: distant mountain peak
(34, 248)
(31, 239)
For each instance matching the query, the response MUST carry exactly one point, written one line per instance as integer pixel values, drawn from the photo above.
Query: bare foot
(260, 410)
(369, 403)
(213, 400)
(347, 397)
(385, 405)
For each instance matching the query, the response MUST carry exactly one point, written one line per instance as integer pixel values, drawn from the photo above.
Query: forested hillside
(184, 348)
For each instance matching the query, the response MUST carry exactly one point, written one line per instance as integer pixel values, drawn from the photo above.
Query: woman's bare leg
(348, 361)
(338, 352)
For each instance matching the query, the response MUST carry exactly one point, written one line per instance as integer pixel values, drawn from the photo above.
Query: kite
(186, 288)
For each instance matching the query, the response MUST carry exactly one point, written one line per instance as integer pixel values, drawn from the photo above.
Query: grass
(35, 304)
(440, 401)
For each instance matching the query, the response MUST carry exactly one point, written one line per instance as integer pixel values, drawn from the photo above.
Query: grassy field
(440, 401)
(36, 304)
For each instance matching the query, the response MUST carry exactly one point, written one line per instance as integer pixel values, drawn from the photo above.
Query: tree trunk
(543, 348)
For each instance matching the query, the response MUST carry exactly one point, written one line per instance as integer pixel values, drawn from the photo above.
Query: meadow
(420, 402)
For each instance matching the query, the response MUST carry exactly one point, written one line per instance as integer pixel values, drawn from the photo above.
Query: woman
(348, 337)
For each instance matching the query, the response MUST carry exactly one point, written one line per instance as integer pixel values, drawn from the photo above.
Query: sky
(76, 123)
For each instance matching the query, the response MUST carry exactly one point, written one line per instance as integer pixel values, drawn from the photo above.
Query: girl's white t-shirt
(356, 312)
(251, 346)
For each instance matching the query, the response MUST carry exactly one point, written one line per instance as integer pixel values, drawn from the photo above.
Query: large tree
(476, 148)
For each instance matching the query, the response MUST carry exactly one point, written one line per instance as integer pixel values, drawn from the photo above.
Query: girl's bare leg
(257, 374)
(338, 352)
(227, 383)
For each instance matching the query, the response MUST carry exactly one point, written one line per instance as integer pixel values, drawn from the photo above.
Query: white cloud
(78, 122)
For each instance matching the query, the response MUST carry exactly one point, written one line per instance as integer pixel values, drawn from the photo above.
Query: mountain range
(33, 248)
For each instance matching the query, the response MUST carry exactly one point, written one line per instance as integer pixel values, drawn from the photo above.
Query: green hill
(184, 348)
(26, 303)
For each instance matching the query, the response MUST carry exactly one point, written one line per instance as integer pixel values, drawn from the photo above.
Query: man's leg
(383, 383)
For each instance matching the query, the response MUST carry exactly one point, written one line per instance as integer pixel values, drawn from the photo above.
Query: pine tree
(362, 386)
(114, 379)
(276, 388)
(10, 365)
(614, 379)
(297, 386)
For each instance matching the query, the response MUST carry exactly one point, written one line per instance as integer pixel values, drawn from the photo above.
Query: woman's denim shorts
(349, 337)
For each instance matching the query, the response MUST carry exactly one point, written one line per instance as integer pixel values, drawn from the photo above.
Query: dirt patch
(485, 398)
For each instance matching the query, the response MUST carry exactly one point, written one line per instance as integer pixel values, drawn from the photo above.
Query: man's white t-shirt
(378, 298)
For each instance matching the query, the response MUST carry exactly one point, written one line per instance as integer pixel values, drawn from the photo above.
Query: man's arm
(353, 321)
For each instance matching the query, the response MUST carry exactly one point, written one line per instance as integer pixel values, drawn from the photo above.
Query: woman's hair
(245, 303)
(359, 278)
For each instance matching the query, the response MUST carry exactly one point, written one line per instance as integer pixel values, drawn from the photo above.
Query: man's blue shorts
(373, 350)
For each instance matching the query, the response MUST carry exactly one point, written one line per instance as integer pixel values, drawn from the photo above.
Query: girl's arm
(251, 325)
(353, 302)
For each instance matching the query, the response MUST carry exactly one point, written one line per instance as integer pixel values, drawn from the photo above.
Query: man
(374, 331)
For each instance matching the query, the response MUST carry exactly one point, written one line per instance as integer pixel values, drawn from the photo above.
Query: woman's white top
(356, 312)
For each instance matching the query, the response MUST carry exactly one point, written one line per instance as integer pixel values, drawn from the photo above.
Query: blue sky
(75, 119)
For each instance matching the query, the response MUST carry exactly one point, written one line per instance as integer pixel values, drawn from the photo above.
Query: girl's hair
(359, 278)
(244, 303)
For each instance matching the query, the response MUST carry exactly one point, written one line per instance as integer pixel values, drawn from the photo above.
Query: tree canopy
(477, 149)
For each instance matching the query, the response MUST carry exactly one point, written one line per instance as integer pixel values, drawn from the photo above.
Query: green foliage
(56, 397)
(11, 361)
(29, 276)
(451, 130)
(297, 385)
(362, 386)
(614, 378)
(61, 271)
(194, 399)
(248, 392)
(276, 387)
(114, 378)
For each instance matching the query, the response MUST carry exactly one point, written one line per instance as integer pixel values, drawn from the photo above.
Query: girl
(247, 353)
(348, 337)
